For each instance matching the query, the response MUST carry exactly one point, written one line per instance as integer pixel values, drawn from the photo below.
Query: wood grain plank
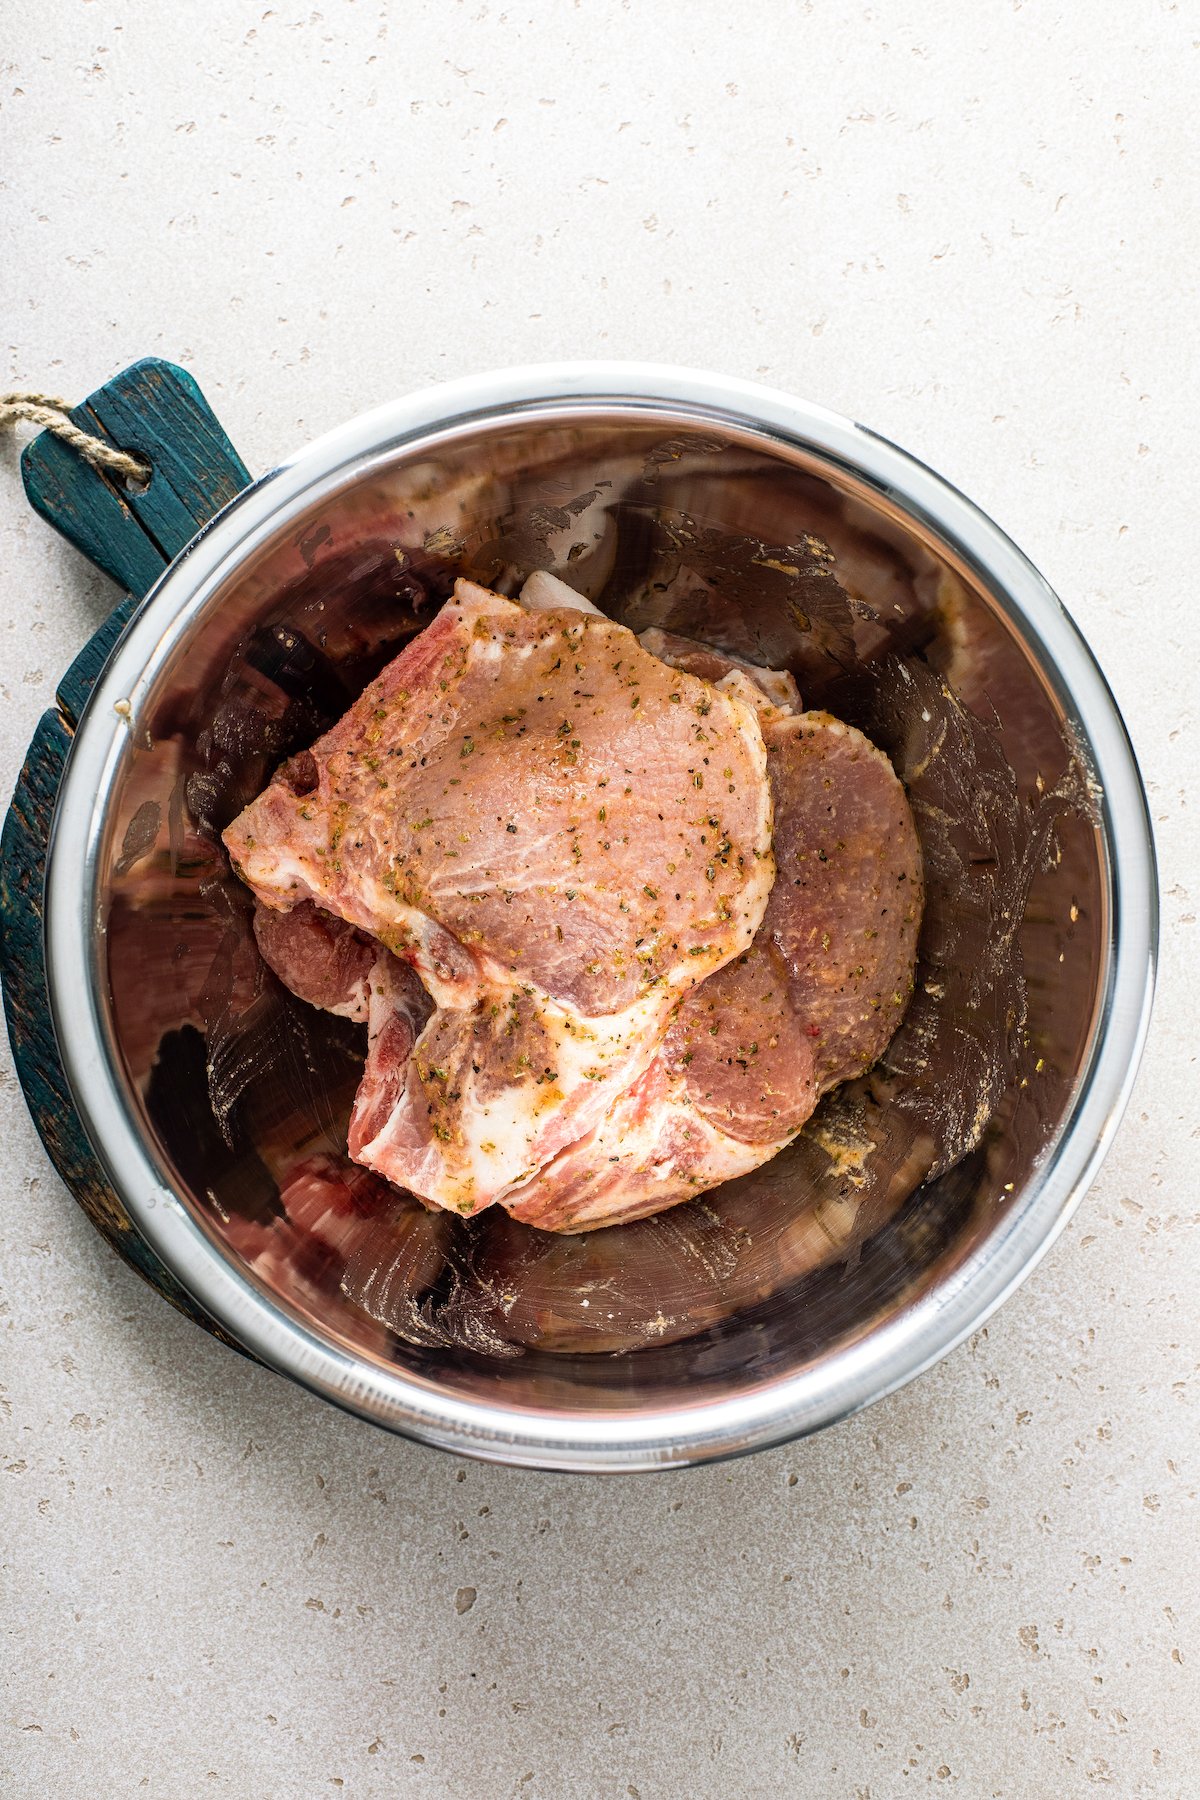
(89, 510)
(75, 688)
(157, 410)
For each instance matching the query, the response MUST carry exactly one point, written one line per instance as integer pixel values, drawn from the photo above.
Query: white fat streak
(356, 1004)
(625, 1151)
(500, 649)
(543, 592)
(276, 869)
(413, 936)
(778, 685)
(595, 1058)
(740, 685)
(490, 650)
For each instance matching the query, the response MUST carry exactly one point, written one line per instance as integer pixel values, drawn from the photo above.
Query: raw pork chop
(759, 687)
(813, 1001)
(561, 834)
(718, 666)
(320, 958)
(335, 966)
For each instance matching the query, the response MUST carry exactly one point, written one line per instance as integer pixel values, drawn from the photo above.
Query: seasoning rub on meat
(560, 834)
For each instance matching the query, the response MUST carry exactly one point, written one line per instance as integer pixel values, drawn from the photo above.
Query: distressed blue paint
(76, 685)
(156, 409)
(92, 513)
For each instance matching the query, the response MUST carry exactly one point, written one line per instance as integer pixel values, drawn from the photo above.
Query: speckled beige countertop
(973, 227)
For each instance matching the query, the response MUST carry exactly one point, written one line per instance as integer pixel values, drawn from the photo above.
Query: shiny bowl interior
(914, 1203)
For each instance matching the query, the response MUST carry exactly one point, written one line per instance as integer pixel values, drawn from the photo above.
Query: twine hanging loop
(49, 413)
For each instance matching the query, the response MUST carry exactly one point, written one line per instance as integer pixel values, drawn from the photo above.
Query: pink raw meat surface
(560, 834)
(813, 1001)
(320, 958)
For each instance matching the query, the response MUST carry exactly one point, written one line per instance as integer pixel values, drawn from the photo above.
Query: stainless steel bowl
(485, 468)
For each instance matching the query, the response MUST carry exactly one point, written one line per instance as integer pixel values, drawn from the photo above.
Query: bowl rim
(764, 1413)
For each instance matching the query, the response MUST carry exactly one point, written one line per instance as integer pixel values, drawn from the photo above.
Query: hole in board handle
(137, 484)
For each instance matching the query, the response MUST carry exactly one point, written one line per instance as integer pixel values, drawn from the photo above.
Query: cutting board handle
(156, 410)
